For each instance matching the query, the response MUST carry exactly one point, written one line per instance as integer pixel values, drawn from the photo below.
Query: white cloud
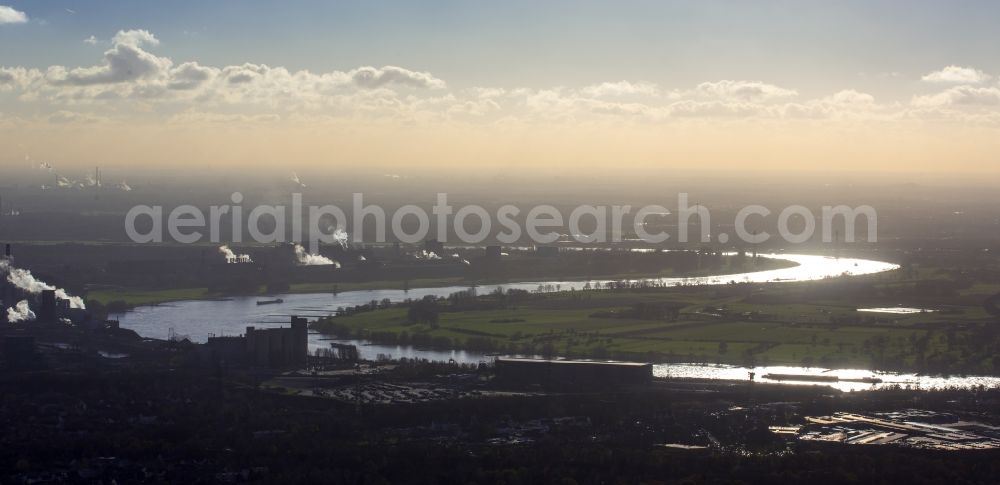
(744, 90)
(371, 77)
(621, 88)
(960, 96)
(10, 16)
(135, 38)
(190, 75)
(90, 40)
(846, 104)
(17, 77)
(957, 75)
(133, 81)
(125, 61)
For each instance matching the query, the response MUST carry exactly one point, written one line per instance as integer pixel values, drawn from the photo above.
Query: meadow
(815, 323)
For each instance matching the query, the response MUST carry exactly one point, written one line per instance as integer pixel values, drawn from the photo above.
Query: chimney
(47, 312)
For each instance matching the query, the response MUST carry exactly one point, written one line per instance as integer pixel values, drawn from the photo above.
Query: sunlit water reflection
(199, 318)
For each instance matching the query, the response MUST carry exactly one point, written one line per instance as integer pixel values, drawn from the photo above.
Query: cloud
(744, 90)
(90, 40)
(960, 96)
(125, 61)
(190, 75)
(716, 109)
(850, 97)
(845, 104)
(130, 71)
(131, 81)
(135, 38)
(957, 75)
(10, 16)
(17, 77)
(370, 77)
(621, 88)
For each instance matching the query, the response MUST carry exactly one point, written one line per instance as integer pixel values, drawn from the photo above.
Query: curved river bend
(199, 318)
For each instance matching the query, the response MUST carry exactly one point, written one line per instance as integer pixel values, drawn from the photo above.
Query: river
(197, 319)
(230, 316)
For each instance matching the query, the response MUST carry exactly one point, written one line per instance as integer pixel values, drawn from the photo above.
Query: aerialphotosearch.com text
(508, 224)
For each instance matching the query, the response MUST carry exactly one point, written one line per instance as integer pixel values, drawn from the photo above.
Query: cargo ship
(817, 378)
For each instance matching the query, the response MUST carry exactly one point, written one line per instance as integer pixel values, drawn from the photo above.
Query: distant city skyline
(468, 86)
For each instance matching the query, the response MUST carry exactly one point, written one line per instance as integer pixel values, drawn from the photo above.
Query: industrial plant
(277, 348)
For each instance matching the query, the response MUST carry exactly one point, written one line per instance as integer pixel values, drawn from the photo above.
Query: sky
(476, 86)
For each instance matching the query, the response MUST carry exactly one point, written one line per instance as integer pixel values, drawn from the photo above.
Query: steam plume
(297, 181)
(24, 280)
(424, 254)
(307, 259)
(341, 236)
(20, 312)
(232, 257)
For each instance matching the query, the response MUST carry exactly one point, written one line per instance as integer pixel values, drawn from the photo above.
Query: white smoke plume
(20, 312)
(362, 258)
(62, 182)
(308, 259)
(427, 255)
(232, 257)
(297, 181)
(341, 237)
(24, 280)
(90, 181)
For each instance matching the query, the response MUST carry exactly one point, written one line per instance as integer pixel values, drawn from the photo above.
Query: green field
(770, 324)
(134, 298)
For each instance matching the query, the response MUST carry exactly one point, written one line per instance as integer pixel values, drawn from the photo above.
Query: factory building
(572, 373)
(276, 348)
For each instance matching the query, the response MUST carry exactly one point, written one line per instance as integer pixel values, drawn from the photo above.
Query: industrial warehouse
(264, 347)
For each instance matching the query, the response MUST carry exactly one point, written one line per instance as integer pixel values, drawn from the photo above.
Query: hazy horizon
(460, 89)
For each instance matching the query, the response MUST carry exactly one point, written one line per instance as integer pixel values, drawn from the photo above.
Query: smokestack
(47, 312)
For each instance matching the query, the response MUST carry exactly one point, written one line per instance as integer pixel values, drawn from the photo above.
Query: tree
(424, 311)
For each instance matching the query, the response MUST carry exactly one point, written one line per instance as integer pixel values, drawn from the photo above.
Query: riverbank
(805, 315)
(808, 324)
(125, 299)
